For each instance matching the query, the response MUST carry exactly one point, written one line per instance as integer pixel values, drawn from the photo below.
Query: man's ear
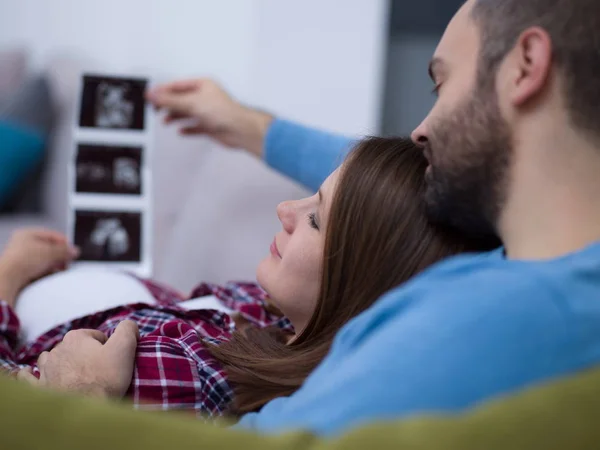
(532, 60)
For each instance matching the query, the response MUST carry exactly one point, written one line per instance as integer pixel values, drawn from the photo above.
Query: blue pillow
(21, 151)
(26, 117)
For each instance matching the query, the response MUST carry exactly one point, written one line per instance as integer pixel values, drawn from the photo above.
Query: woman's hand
(213, 112)
(32, 253)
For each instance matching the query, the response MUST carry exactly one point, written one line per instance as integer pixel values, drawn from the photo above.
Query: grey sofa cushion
(13, 66)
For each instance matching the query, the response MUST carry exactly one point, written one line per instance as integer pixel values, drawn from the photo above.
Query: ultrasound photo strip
(110, 187)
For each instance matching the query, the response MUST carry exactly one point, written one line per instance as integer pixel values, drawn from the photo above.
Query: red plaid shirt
(173, 368)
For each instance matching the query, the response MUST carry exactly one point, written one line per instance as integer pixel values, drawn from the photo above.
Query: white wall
(169, 39)
(316, 61)
(321, 61)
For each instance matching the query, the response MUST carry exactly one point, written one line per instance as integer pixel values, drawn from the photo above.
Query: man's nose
(419, 135)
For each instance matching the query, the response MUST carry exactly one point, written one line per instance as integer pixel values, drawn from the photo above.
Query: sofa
(557, 415)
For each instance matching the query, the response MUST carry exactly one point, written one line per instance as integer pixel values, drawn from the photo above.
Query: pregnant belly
(75, 293)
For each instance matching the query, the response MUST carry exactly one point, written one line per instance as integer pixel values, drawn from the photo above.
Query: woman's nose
(287, 214)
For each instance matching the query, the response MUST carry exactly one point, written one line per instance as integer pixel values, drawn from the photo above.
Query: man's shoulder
(488, 295)
(479, 285)
(492, 275)
(479, 297)
(458, 292)
(472, 273)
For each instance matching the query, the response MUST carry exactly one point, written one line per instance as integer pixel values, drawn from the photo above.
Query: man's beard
(470, 154)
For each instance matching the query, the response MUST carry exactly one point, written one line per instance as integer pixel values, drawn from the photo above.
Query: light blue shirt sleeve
(304, 154)
(442, 343)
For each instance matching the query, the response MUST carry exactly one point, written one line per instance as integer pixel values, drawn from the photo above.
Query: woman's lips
(274, 249)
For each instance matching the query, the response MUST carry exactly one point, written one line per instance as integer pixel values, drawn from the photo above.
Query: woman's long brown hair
(377, 238)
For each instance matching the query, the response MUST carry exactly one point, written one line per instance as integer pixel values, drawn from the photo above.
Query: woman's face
(291, 274)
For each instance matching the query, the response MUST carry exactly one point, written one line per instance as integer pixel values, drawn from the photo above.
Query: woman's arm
(30, 254)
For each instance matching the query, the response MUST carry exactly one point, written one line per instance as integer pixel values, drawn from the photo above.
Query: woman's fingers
(59, 246)
(74, 252)
(44, 234)
(53, 236)
(60, 254)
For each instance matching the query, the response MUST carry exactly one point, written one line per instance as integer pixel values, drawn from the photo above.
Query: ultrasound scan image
(104, 169)
(109, 236)
(113, 103)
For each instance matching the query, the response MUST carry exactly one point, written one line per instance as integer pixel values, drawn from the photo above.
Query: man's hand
(30, 254)
(212, 112)
(89, 363)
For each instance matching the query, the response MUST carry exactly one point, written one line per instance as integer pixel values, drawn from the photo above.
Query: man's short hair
(574, 28)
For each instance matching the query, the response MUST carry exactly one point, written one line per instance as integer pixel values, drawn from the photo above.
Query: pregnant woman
(363, 233)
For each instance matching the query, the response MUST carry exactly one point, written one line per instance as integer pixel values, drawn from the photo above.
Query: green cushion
(559, 416)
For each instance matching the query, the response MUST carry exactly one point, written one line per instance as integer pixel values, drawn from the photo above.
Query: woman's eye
(312, 221)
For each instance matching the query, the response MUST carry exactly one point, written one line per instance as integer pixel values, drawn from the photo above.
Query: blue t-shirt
(468, 329)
